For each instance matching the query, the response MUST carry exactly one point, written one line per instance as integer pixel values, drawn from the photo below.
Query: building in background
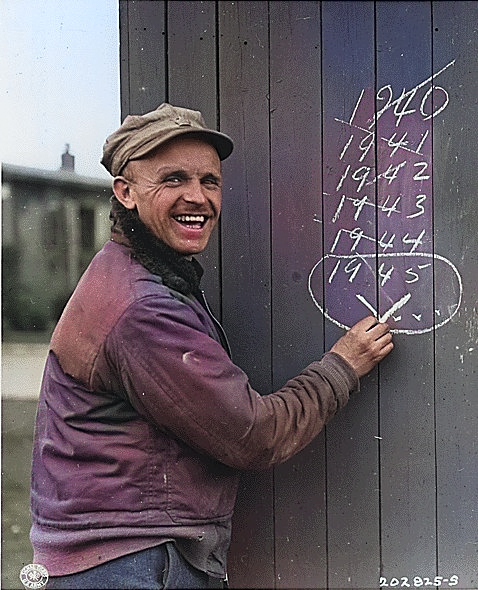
(53, 222)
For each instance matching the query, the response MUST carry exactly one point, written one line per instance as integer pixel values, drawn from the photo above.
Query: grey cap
(141, 134)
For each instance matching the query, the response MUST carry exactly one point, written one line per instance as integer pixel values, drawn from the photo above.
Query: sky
(59, 81)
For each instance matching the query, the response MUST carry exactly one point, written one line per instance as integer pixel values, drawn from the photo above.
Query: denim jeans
(157, 568)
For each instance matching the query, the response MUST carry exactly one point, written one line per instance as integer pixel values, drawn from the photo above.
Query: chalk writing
(377, 216)
(404, 311)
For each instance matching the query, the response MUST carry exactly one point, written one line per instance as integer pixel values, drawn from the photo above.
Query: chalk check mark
(395, 307)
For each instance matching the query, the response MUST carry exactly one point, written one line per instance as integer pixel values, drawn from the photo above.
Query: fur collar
(176, 271)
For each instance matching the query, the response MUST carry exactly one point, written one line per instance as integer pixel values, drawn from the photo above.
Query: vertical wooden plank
(124, 51)
(404, 70)
(192, 83)
(456, 354)
(143, 56)
(243, 93)
(244, 89)
(192, 56)
(352, 445)
(299, 508)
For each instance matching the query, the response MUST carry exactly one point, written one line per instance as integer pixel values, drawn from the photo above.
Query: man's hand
(364, 345)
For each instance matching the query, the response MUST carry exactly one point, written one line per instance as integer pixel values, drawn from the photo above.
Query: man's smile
(192, 221)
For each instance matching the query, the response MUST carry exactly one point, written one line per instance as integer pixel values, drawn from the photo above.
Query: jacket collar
(176, 271)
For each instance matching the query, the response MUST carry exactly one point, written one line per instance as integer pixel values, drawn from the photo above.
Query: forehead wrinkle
(174, 162)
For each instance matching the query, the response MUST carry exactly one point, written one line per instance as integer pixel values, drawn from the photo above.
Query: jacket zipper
(217, 324)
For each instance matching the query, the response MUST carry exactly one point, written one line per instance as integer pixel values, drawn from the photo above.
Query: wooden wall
(352, 187)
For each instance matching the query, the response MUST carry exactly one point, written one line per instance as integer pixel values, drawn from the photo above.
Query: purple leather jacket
(144, 422)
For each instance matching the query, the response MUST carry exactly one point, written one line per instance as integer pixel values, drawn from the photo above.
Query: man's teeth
(191, 218)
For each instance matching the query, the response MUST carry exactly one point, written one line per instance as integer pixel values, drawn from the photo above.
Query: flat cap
(141, 134)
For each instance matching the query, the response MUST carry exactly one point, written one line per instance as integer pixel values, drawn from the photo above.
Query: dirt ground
(18, 417)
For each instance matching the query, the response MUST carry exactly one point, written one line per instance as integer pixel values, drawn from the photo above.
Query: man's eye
(211, 180)
(173, 179)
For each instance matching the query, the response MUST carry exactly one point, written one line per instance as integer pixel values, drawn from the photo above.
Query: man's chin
(188, 248)
(189, 252)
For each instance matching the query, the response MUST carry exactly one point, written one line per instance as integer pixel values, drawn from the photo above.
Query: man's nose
(194, 192)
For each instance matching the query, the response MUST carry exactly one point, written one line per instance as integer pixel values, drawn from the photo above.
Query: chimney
(67, 160)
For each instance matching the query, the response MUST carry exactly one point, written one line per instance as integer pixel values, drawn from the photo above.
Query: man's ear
(123, 193)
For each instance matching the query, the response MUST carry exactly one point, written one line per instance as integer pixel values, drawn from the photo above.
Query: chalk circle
(429, 295)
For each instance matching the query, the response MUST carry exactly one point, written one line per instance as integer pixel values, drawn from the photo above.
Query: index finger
(379, 329)
(370, 323)
(366, 323)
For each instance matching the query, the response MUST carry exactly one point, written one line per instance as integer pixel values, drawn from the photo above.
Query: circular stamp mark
(34, 576)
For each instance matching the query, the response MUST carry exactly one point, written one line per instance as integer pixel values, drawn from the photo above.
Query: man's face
(177, 192)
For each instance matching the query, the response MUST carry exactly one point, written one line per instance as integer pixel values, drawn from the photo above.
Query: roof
(65, 178)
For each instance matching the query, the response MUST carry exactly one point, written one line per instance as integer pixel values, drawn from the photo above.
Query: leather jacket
(144, 422)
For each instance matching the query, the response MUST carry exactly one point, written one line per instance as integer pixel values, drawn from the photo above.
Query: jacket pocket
(199, 487)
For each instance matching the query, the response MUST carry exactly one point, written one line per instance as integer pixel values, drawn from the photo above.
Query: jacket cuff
(342, 373)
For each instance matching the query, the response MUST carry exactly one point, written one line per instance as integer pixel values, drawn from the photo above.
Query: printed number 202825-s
(418, 582)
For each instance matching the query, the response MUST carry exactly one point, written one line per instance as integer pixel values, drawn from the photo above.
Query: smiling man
(144, 422)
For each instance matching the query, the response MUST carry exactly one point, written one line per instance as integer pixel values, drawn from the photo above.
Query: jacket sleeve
(179, 378)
